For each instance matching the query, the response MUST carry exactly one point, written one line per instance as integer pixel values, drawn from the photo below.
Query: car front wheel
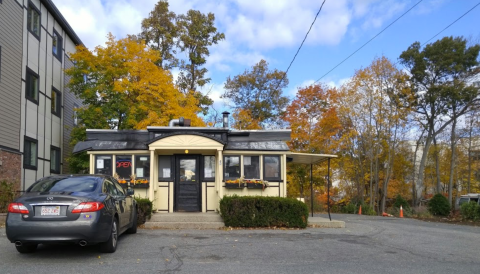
(111, 244)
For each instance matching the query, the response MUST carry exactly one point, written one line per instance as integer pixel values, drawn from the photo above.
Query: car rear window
(71, 184)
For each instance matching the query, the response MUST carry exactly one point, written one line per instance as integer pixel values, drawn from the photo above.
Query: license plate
(50, 211)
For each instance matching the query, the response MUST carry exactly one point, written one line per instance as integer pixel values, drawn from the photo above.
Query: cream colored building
(186, 168)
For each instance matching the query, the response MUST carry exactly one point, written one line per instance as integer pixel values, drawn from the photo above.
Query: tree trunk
(452, 162)
(421, 169)
(437, 165)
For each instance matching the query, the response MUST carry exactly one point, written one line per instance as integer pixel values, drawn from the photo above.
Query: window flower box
(234, 184)
(256, 184)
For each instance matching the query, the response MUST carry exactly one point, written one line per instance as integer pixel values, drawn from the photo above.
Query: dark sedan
(79, 209)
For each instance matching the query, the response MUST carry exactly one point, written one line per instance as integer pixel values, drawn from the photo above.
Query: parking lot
(368, 244)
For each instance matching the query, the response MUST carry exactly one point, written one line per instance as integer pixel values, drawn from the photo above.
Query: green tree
(196, 33)
(160, 32)
(260, 92)
(439, 81)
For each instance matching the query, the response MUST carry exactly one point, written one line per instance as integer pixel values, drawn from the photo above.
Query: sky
(274, 29)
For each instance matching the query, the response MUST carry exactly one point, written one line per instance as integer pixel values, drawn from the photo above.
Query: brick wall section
(11, 167)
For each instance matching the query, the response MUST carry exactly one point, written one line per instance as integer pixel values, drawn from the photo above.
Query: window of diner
(165, 168)
(251, 167)
(103, 164)
(231, 167)
(142, 166)
(271, 168)
(209, 168)
(123, 166)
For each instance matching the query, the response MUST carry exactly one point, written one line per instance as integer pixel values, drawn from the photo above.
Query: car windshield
(70, 184)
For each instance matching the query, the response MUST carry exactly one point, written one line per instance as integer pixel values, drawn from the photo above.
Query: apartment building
(36, 108)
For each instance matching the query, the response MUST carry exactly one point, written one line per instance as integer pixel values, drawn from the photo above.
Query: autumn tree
(373, 107)
(122, 88)
(259, 91)
(439, 79)
(315, 129)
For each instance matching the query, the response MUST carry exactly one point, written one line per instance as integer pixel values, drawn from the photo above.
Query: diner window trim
(95, 163)
(209, 179)
(225, 167)
(160, 169)
(279, 177)
(137, 156)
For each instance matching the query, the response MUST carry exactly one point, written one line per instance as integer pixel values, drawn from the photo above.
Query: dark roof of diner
(106, 139)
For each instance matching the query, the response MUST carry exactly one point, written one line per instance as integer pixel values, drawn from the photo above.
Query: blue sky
(274, 29)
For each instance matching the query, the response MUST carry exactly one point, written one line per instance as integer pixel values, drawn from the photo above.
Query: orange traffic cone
(401, 212)
(360, 210)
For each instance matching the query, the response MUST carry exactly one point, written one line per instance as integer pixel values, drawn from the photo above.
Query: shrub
(470, 211)
(257, 211)
(7, 194)
(368, 210)
(399, 201)
(439, 205)
(349, 209)
(144, 210)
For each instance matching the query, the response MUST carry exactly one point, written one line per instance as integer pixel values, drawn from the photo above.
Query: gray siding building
(36, 109)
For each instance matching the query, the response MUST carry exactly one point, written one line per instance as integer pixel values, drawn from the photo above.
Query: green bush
(439, 205)
(349, 208)
(257, 211)
(470, 211)
(368, 210)
(7, 194)
(399, 201)
(144, 210)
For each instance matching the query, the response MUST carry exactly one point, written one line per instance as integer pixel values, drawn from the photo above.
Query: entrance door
(187, 184)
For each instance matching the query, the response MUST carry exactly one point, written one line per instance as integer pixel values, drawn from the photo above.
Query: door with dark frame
(187, 183)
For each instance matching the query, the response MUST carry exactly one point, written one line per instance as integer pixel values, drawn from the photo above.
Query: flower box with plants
(256, 184)
(235, 184)
(136, 183)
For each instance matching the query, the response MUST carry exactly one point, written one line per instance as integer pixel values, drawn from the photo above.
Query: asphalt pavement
(367, 244)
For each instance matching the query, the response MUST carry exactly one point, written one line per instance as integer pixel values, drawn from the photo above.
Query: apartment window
(209, 168)
(231, 167)
(251, 167)
(271, 168)
(56, 102)
(165, 168)
(142, 166)
(103, 164)
(123, 166)
(57, 43)
(31, 86)
(33, 20)
(75, 115)
(30, 153)
(54, 159)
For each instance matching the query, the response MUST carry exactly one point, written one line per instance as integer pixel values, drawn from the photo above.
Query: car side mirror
(130, 192)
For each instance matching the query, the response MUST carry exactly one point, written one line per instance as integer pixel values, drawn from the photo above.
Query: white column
(219, 178)
(283, 166)
(92, 164)
(152, 181)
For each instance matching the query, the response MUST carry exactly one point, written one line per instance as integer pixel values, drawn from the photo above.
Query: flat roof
(307, 158)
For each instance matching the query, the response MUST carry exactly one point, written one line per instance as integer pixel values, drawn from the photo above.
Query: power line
(368, 41)
(451, 24)
(306, 35)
